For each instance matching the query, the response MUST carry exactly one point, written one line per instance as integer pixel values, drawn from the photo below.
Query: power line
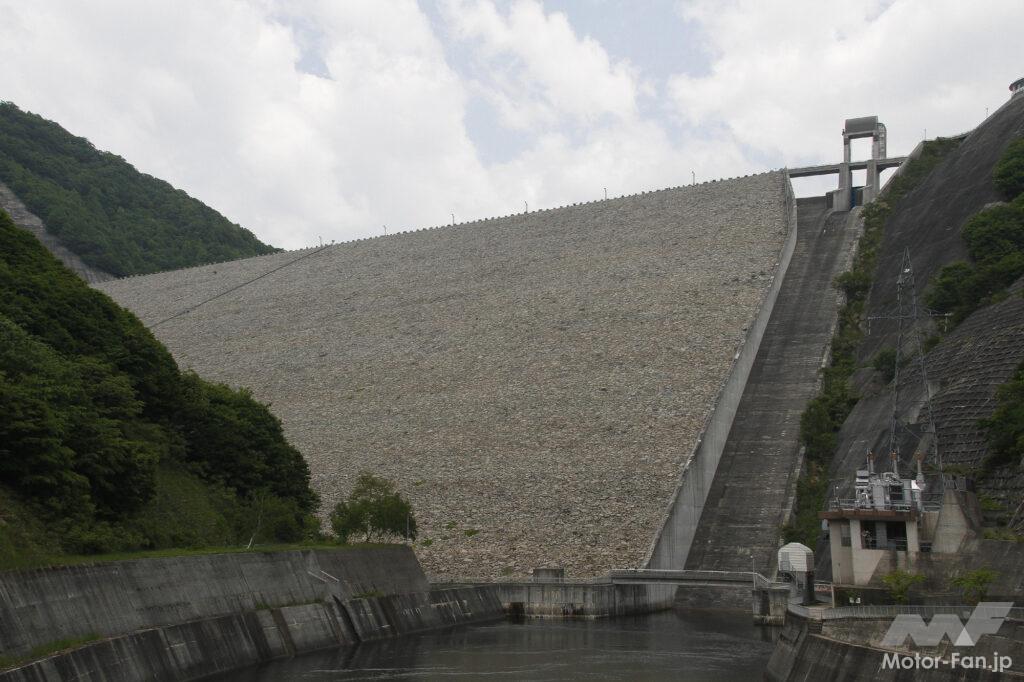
(237, 287)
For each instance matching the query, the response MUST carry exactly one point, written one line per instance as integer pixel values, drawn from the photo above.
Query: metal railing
(508, 580)
(629, 575)
(892, 610)
(669, 575)
(852, 504)
(900, 544)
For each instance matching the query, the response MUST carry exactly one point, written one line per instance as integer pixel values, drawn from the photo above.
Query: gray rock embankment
(533, 383)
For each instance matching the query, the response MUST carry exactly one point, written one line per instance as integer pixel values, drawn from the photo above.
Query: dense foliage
(900, 583)
(115, 218)
(373, 511)
(1009, 172)
(1006, 425)
(974, 584)
(995, 242)
(825, 414)
(106, 444)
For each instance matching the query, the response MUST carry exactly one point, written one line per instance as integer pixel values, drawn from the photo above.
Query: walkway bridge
(836, 168)
(688, 578)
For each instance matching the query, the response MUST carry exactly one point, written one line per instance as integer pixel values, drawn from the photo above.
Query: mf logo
(986, 619)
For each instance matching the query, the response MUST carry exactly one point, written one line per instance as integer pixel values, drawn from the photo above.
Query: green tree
(899, 583)
(1006, 425)
(884, 362)
(101, 208)
(1009, 172)
(108, 445)
(974, 584)
(373, 512)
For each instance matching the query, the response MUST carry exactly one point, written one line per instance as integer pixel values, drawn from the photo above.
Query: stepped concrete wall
(191, 617)
(534, 383)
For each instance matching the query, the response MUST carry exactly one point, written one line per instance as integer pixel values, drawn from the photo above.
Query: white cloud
(217, 97)
(786, 76)
(538, 70)
(208, 96)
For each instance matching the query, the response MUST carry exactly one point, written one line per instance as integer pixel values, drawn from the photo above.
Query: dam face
(534, 383)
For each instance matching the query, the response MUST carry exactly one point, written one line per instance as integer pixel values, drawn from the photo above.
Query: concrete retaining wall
(580, 600)
(671, 546)
(803, 655)
(44, 605)
(403, 614)
(212, 646)
(142, 641)
(736, 596)
(193, 650)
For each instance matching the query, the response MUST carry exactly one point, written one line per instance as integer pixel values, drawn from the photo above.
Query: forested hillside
(113, 217)
(106, 446)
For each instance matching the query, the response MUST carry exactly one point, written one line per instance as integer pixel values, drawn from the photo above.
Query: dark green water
(672, 645)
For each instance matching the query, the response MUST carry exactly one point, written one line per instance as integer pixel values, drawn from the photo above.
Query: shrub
(1005, 428)
(373, 511)
(884, 362)
(974, 584)
(899, 584)
(1009, 171)
(995, 242)
(994, 232)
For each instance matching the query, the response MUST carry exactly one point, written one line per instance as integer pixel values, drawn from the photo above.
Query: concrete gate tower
(848, 196)
(866, 126)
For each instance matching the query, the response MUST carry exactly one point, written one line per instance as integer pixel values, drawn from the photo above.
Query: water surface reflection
(673, 645)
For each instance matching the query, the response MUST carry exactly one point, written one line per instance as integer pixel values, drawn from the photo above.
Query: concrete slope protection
(533, 383)
(761, 459)
(967, 366)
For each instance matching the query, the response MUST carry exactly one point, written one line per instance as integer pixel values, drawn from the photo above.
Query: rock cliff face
(533, 383)
(27, 220)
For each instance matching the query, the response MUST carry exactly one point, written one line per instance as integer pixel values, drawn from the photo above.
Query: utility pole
(908, 311)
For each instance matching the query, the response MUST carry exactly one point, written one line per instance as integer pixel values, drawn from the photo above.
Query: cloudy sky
(334, 118)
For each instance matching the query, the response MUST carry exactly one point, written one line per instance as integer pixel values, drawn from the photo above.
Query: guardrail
(891, 611)
(850, 504)
(669, 575)
(508, 580)
(630, 575)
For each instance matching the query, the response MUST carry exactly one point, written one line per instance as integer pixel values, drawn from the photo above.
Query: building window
(844, 533)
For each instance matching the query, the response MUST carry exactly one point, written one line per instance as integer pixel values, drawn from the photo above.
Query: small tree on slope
(373, 512)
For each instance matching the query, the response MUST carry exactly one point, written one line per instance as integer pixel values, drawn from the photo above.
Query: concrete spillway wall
(582, 600)
(190, 617)
(671, 545)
